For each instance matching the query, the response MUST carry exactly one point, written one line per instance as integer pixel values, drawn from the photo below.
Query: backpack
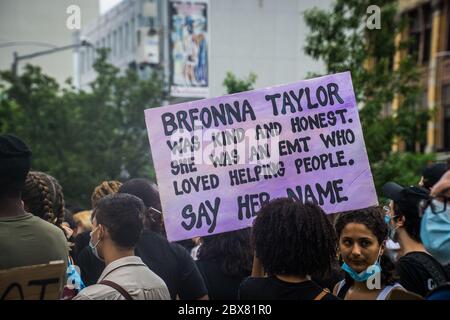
(438, 275)
(442, 292)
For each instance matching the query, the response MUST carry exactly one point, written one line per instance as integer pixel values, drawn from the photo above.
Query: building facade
(120, 30)
(198, 42)
(28, 27)
(429, 33)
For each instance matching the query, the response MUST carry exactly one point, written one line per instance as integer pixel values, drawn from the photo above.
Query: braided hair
(43, 197)
(102, 190)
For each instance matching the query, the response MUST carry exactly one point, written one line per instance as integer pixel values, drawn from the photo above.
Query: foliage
(403, 168)
(342, 40)
(235, 85)
(82, 137)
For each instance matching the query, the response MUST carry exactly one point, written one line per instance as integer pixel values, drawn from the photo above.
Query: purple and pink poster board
(218, 160)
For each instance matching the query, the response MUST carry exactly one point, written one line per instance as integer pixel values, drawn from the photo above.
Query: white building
(197, 42)
(122, 30)
(31, 26)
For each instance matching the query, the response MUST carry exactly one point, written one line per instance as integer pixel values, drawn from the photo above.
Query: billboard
(188, 48)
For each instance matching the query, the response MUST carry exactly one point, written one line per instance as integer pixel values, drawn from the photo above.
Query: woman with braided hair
(103, 189)
(43, 197)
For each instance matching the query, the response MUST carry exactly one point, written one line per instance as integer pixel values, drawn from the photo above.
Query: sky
(105, 5)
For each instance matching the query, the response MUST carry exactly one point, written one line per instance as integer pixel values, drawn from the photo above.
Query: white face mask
(94, 246)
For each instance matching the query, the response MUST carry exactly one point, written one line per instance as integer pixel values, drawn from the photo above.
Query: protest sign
(218, 160)
(38, 282)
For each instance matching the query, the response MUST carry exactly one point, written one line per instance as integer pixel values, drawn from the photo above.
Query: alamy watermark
(373, 21)
(73, 21)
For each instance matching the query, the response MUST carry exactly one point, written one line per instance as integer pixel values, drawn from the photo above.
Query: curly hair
(43, 196)
(103, 189)
(293, 238)
(372, 218)
(232, 250)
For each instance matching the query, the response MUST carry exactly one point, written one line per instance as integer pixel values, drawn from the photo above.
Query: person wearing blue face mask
(368, 272)
(435, 224)
(117, 222)
(435, 229)
(418, 271)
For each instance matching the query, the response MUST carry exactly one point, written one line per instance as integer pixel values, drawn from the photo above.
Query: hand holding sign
(218, 160)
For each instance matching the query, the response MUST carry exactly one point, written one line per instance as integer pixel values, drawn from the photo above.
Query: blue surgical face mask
(435, 233)
(94, 246)
(387, 219)
(364, 275)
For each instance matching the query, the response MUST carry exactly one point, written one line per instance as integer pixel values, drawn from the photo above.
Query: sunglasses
(437, 204)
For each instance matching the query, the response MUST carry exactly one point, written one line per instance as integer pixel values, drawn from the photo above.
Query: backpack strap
(438, 274)
(322, 294)
(342, 290)
(114, 285)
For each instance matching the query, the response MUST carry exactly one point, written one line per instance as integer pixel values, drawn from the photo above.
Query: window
(132, 34)
(420, 26)
(109, 44)
(114, 44)
(126, 37)
(138, 34)
(448, 27)
(446, 114)
(120, 42)
(414, 32)
(427, 18)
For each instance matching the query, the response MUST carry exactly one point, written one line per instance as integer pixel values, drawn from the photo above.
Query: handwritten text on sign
(218, 160)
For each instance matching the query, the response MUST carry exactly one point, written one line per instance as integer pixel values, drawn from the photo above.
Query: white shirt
(132, 275)
(383, 295)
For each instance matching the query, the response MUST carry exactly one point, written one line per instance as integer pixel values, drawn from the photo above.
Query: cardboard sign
(38, 282)
(218, 160)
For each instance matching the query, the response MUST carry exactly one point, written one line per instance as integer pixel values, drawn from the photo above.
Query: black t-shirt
(272, 288)
(173, 264)
(90, 267)
(81, 241)
(170, 261)
(219, 285)
(416, 274)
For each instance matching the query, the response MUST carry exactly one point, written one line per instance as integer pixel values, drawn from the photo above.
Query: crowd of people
(118, 250)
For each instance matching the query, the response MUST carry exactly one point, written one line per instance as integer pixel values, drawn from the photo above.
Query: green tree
(235, 85)
(82, 137)
(403, 168)
(341, 39)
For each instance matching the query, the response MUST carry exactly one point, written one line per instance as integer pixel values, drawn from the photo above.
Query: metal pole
(17, 58)
(14, 64)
